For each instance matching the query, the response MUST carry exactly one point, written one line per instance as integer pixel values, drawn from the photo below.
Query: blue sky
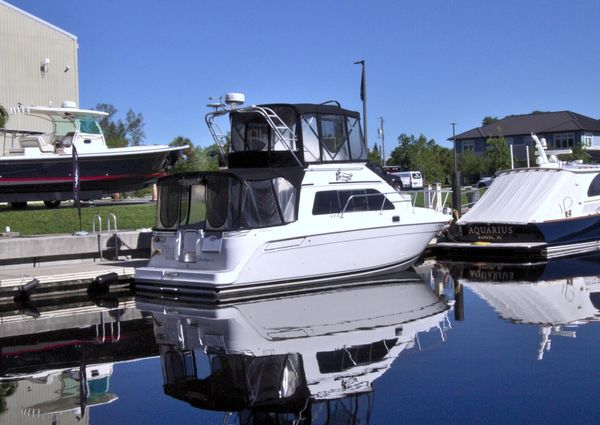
(429, 63)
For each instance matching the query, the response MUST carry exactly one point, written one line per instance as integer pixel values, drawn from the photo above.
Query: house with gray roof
(562, 130)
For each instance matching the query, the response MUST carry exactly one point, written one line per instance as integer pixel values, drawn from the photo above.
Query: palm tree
(3, 116)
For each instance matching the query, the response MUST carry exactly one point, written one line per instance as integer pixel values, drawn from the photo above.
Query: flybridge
(287, 134)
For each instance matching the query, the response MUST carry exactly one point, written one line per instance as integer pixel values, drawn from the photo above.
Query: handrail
(99, 220)
(115, 233)
(277, 125)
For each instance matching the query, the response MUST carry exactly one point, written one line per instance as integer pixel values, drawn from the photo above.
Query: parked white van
(410, 179)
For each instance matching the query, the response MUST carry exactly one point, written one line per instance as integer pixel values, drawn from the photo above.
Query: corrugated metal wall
(25, 43)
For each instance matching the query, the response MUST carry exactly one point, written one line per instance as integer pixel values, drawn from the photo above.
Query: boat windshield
(224, 201)
(64, 125)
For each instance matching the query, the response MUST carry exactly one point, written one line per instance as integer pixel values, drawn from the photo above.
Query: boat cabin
(229, 200)
(292, 134)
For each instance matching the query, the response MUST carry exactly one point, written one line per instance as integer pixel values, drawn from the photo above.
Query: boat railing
(283, 134)
(383, 196)
(437, 198)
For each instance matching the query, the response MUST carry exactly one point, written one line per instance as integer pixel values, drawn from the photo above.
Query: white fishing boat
(548, 211)
(40, 166)
(288, 353)
(297, 204)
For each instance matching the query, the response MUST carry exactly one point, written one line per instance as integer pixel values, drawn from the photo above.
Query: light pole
(453, 124)
(456, 206)
(363, 97)
(382, 137)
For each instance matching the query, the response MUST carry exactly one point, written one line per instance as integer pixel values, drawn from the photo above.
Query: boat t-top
(39, 166)
(296, 205)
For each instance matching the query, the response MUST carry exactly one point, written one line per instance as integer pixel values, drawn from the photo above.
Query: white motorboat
(297, 205)
(556, 296)
(286, 354)
(548, 211)
(40, 166)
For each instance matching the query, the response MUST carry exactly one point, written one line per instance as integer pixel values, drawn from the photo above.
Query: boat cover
(527, 195)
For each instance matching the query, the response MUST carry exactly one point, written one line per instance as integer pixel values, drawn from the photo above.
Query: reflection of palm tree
(6, 390)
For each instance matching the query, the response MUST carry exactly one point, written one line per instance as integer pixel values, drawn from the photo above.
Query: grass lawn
(37, 220)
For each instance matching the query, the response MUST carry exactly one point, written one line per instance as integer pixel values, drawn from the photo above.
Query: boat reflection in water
(305, 359)
(57, 356)
(557, 296)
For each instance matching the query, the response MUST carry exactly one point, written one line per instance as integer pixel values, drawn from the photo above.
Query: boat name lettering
(490, 232)
(490, 274)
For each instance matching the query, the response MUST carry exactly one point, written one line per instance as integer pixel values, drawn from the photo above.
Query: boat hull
(312, 261)
(535, 241)
(51, 178)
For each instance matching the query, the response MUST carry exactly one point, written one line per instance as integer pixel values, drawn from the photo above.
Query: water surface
(447, 343)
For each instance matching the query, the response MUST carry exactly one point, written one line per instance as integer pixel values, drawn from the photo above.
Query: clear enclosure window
(357, 147)
(334, 138)
(168, 204)
(310, 138)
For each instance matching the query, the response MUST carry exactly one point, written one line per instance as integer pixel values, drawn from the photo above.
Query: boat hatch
(222, 201)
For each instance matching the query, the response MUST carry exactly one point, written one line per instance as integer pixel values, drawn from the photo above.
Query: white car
(410, 179)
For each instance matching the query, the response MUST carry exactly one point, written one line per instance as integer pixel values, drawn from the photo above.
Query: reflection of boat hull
(545, 240)
(50, 177)
(325, 345)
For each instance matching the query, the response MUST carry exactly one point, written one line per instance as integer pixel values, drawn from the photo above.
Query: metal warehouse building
(38, 65)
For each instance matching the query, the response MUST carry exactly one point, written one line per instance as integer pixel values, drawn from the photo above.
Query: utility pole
(363, 97)
(382, 137)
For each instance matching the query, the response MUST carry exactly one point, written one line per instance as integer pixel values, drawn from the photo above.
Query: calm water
(448, 343)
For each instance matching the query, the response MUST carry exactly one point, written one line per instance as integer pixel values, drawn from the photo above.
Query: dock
(69, 264)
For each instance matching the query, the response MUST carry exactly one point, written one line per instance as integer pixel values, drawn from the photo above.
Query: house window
(564, 141)
(468, 146)
(586, 140)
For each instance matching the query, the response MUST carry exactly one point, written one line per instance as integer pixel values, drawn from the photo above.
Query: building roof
(35, 18)
(536, 122)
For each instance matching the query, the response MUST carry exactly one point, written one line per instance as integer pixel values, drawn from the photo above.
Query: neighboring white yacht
(297, 204)
(40, 166)
(548, 211)
(285, 354)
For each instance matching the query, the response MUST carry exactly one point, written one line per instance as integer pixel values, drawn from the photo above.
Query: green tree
(121, 133)
(471, 167)
(488, 120)
(496, 156)
(195, 158)
(374, 156)
(427, 156)
(3, 116)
